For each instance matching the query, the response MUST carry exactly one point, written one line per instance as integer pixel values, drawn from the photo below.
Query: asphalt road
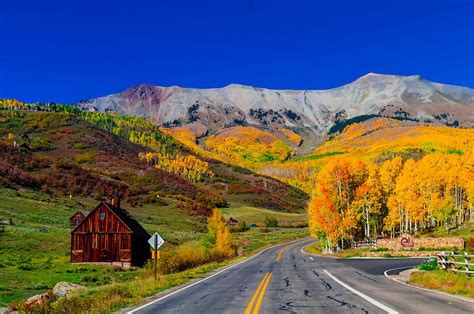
(283, 279)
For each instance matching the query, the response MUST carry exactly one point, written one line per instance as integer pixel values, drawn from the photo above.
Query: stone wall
(407, 242)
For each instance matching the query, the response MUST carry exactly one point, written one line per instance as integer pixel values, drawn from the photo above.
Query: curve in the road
(282, 279)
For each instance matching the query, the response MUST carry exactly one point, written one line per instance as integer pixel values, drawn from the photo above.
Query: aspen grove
(354, 199)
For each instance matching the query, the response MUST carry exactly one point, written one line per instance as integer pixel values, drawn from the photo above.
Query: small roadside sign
(156, 241)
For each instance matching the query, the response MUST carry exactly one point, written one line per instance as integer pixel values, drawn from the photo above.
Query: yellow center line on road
(262, 293)
(280, 254)
(263, 284)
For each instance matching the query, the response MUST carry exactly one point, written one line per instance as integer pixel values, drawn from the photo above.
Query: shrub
(181, 259)
(271, 222)
(428, 265)
(195, 208)
(39, 144)
(211, 199)
(26, 266)
(243, 226)
(85, 157)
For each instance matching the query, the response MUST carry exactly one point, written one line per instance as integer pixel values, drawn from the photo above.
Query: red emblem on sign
(407, 242)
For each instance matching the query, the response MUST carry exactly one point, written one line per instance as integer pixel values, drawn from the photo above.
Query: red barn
(76, 219)
(110, 235)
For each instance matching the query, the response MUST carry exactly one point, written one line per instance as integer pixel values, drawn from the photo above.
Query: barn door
(95, 248)
(105, 248)
(125, 247)
(87, 244)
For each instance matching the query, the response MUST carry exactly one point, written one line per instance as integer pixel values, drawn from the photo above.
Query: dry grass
(459, 284)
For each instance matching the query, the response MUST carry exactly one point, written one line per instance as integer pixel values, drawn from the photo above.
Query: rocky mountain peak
(304, 111)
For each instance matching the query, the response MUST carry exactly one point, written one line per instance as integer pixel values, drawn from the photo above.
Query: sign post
(155, 242)
(156, 256)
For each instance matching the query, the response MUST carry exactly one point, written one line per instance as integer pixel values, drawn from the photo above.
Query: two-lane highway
(283, 279)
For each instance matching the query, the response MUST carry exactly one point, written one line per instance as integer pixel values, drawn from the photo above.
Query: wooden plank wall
(102, 237)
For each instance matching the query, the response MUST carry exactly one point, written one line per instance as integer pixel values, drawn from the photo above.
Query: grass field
(254, 215)
(35, 250)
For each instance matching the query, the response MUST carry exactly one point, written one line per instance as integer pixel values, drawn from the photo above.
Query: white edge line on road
(424, 289)
(360, 294)
(207, 278)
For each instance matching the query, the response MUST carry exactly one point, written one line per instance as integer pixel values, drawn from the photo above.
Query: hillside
(374, 140)
(381, 137)
(64, 144)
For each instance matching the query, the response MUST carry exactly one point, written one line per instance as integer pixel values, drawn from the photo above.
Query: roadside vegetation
(460, 284)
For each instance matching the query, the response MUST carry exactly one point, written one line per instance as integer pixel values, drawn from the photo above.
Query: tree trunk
(367, 229)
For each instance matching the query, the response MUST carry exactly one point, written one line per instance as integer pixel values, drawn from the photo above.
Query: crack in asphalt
(306, 293)
(343, 303)
(366, 276)
(326, 284)
(287, 282)
(286, 307)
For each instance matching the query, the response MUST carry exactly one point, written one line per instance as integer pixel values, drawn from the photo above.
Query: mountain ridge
(204, 111)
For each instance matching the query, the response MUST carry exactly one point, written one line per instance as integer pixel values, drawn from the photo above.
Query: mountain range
(307, 112)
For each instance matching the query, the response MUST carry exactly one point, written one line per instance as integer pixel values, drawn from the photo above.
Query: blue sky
(64, 51)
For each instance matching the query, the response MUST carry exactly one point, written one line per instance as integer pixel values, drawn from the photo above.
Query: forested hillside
(129, 156)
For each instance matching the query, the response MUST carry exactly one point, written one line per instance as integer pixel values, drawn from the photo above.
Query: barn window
(101, 216)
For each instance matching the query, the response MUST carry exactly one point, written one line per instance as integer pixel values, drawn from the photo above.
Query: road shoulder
(394, 278)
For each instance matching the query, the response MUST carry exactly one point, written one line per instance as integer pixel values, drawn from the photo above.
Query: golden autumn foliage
(293, 137)
(375, 137)
(354, 199)
(181, 134)
(188, 166)
(249, 146)
(11, 104)
(375, 140)
(219, 237)
(437, 190)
